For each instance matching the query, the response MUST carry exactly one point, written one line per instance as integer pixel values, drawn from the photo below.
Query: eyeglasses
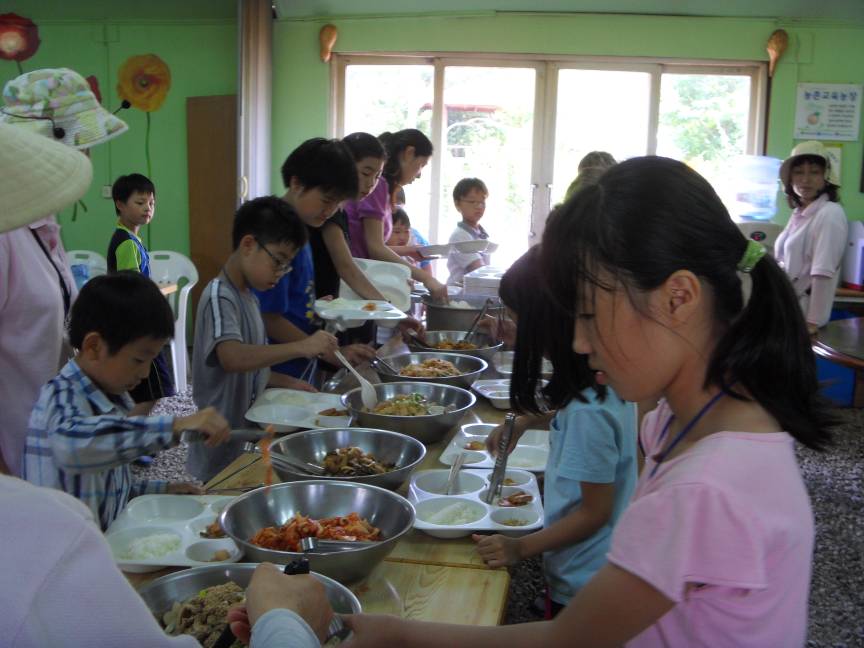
(282, 267)
(474, 203)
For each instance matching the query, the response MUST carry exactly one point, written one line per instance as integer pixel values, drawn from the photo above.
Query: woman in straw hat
(36, 284)
(811, 247)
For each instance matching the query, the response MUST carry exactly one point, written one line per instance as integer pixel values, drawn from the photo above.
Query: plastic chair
(172, 267)
(95, 262)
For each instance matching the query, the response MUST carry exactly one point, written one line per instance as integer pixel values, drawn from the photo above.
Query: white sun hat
(816, 149)
(38, 177)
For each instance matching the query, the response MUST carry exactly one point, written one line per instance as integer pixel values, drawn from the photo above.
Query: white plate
(181, 515)
(531, 452)
(288, 410)
(352, 310)
(473, 484)
(434, 250)
(468, 247)
(497, 391)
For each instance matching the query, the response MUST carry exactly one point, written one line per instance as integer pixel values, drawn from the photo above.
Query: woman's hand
(437, 290)
(519, 427)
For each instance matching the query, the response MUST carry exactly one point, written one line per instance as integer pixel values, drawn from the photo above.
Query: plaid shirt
(81, 441)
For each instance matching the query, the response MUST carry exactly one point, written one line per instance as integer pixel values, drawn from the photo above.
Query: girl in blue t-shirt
(591, 471)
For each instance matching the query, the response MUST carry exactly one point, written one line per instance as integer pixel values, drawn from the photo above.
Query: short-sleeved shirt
(326, 275)
(592, 442)
(375, 206)
(293, 297)
(457, 261)
(812, 244)
(224, 313)
(725, 531)
(127, 252)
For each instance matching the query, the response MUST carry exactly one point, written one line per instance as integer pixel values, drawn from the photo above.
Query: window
(523, 124)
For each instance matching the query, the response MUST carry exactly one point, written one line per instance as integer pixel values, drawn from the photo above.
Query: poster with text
(829, 111)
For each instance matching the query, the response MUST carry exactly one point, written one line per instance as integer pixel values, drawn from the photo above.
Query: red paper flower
(94, 87)
(19, 37)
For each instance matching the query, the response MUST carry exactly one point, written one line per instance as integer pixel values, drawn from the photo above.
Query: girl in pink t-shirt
(672, 300)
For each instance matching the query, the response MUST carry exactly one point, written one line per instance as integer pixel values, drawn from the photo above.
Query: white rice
(152, 546)
(454, 515)
(460, 304)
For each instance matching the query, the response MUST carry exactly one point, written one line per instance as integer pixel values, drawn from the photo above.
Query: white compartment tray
(184, 516)
(358, 310)
(531, 452)
(497, 391)
(425, 494)
(288, 410)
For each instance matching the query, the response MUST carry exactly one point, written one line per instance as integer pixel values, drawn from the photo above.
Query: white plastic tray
(182, 515)
(391, 279)
(531, 452)
(429, 251)
(351, 310)
(288, 410)
(503, 363)
(424, 494)
(497, 391)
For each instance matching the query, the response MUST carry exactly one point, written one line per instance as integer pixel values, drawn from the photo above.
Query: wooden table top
(424, 578)
(842, 341)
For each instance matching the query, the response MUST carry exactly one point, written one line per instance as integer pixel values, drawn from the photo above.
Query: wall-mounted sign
(828, 111)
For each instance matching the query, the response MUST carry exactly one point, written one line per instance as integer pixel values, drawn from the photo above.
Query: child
(401, 234)
(469, 196)
(318, 175)
(135, 204)
(811, 246)
(591, 167)
(670, 298)
(81, 437)
(591, 470)
(231, 357)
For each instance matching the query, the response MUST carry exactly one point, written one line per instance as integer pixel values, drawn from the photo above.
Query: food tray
(497, 391)
(429, 251)
(503, 363)
(181, 515)
(427, 484)
(391, 280)
(288, 410)
(352, 310)
(531, 453)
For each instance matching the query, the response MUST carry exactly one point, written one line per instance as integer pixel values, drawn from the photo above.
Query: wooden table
(423, 578)
(842, 341)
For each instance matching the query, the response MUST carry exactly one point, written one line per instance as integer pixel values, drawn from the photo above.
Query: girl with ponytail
(671, 300)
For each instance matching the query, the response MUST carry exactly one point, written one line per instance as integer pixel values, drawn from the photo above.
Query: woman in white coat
(811, 247)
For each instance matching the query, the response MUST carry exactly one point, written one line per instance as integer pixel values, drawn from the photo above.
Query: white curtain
(256, 48)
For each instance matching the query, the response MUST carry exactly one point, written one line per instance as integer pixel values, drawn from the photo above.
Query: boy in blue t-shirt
(318, 175)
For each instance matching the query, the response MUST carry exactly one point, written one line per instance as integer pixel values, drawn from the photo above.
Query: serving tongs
(419, 341)
(381, 362)
(496, 481)
(473, 328)
(245, 434)
(453, 477)
(284, 461)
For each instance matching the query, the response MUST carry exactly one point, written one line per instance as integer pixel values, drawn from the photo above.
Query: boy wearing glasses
(469, 196)
(231, 357)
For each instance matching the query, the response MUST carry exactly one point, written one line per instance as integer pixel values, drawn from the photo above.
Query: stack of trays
(182, 516)
(483, 281)
(469, 504)
(530, 453)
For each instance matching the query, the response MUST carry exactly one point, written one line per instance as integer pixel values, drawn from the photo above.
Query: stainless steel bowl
(441, 317)
(161, 595)
(274, 506)
(386, 446)
(469, 368)
(428, 429)
(486, 347)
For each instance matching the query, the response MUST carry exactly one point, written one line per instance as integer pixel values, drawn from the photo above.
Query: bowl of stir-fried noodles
(268, 523)
(422, 410)
(445, 368)
(451, 341)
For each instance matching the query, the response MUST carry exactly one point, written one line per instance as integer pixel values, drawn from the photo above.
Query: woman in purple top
(370, 220)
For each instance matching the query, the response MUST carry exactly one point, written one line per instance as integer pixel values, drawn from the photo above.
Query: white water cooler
(852, 275)
(764, 232)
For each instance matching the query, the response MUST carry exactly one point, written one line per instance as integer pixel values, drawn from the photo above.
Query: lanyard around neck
(690, 425)
(67, 294)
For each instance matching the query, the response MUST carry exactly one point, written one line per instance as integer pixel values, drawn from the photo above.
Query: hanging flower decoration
(19, 38)
(144, 82)
(93, 82)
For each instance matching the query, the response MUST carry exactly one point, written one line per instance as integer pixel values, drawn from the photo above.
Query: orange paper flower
(144, 82)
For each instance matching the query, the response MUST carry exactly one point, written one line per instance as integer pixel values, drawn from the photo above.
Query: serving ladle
(367, 391)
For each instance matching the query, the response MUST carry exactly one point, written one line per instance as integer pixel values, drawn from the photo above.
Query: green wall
(819, 52)
(202, 57)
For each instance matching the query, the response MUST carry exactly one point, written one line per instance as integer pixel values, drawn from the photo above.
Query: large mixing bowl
(469, 368)
(486, 346)
(274, 506)
(161, 595)
(450, 317)
(311, 446)
(428, 429)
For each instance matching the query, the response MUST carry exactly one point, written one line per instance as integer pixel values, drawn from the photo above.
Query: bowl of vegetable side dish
(268, 523)
(195, 601)
(360, 455)
(421, 410)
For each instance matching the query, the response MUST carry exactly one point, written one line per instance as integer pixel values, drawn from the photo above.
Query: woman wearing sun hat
(36, 284)
(811, 246)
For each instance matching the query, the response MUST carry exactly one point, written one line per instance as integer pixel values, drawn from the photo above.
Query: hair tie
(752, 255)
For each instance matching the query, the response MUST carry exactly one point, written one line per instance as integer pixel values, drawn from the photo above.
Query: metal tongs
(279, 459)
(496, 481)
(472, 329)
